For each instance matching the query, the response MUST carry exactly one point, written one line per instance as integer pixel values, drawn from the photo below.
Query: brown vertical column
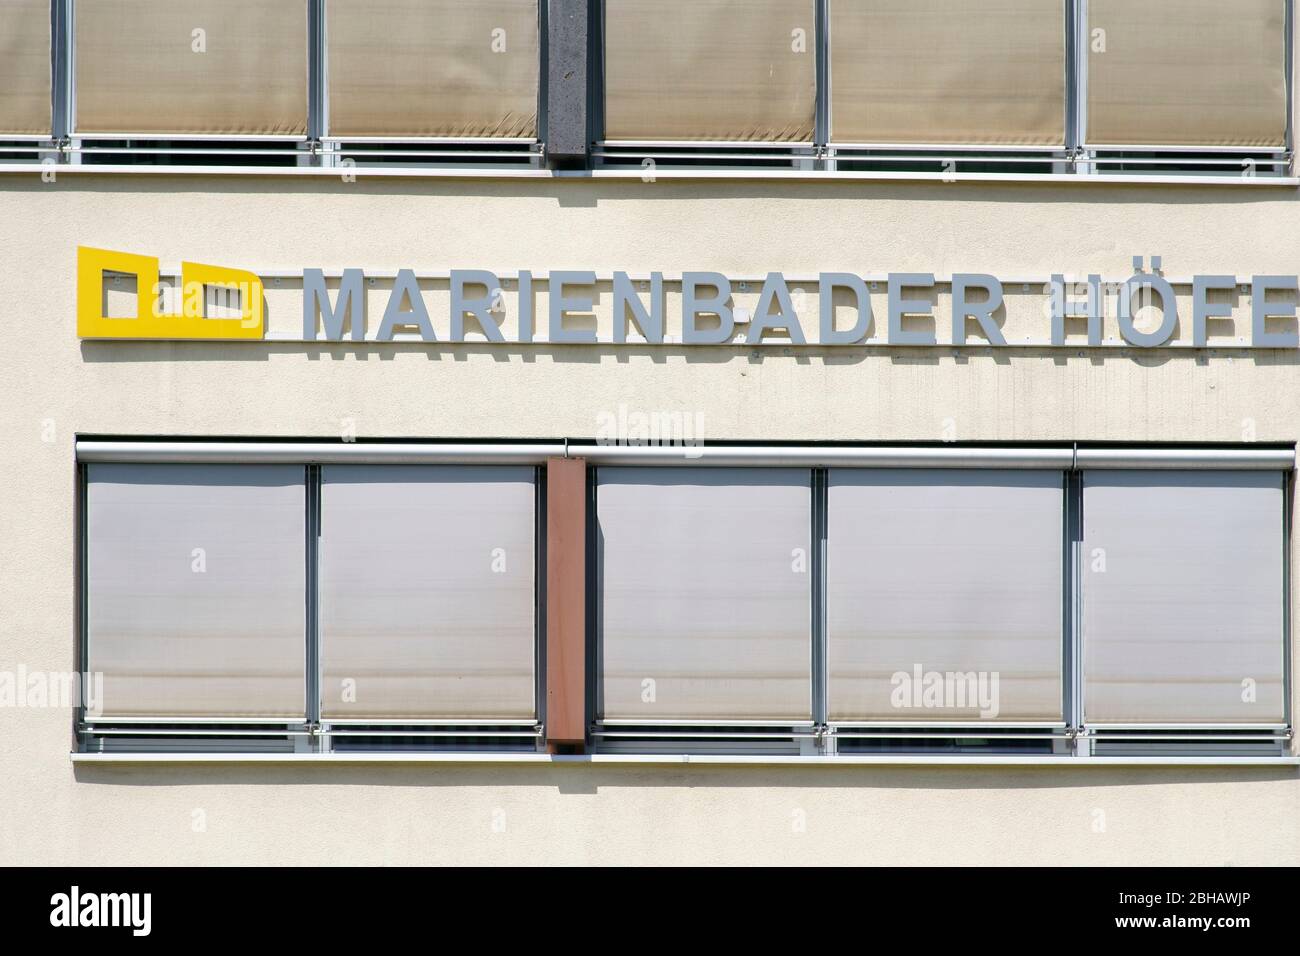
(566, 603)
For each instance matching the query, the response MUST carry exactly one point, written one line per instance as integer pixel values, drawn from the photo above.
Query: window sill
(356, 173)
(965, 760)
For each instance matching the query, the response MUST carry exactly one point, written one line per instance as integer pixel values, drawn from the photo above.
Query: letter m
(116, 909)
(349, 309)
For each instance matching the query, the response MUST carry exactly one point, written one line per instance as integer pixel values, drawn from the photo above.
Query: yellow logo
(150, 321)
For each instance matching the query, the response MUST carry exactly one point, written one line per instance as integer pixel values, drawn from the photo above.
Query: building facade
(786, 431)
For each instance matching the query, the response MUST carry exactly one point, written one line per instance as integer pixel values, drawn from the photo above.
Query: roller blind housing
(705, 594)
(1187, 73)
(1183, 597)
(945, 572)
(432, 68)
(25, 97)
(196, 589)
(427, 592)
(725, 70)
(977, 72)
(218, 67)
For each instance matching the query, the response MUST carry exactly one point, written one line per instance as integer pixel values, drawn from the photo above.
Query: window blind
(1187, 73)
(1183, 597)
(196, 589)
(949, 573)
(432, 68)
(726, 70)
(427, 592)
(705, 593)
(970, 72)
(186, 67)
(25, 74)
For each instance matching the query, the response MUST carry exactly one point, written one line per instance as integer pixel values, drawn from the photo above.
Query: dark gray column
(566, 93)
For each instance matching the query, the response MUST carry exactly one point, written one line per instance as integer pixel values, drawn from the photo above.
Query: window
(1064, 601)
(703, 70)
(195, 590)
(948, 72)
(25, 77)
(427, 593)
(1183, 597)
(432, 68)
(951, 86)
(929, 87)
(298, 606)
(950, 571)
(705, 594)
(191, 67)
(1187, 73)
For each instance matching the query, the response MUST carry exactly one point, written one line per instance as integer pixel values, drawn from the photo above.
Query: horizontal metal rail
(313, 453)
(1062, 457)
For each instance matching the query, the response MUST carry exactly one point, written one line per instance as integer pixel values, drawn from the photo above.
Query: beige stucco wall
(53, 386)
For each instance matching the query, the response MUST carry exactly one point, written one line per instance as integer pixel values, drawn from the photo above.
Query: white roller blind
(191, 66)
(948, 573)
(427, 592)
(1187, 73)
(729, 70)
(25, 103)
(196, 589)
(1183, 597)
(979, 72)
(705, 591)
(432, 68)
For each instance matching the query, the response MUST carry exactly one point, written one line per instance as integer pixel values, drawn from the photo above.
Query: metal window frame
(317, 72)
(817, 737)
(311, 554)
(823, 120)
(84, 724)
(602, 726)
(318, 151)
(314, 733)
(1072, 735)
(1090, 729)
(64, 87)
(1061, 727)
(1074, 157)
(395, 726)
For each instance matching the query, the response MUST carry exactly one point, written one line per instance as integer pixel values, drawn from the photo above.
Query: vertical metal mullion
(83, 595)
(595, 77)
(61, 66)
(1073, 610)
(820, 676)
(1071, 76)
(1288, 678)
(1080, 93)
(539, 596)
(822, 39)
(313, 483)
(317, 96)
(1290, 80)
(58, 127)
(595, 683)
(543, 67)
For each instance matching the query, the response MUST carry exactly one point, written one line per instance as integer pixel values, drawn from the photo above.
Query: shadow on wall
(126, 352)
(585, 192)
(585, 778)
